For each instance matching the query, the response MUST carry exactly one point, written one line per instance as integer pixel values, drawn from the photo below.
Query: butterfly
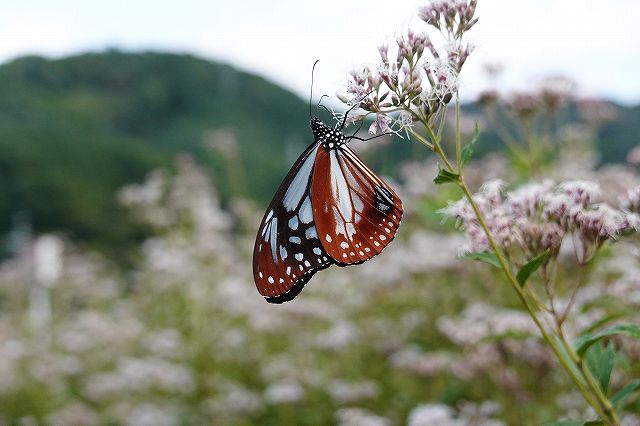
(331, 209)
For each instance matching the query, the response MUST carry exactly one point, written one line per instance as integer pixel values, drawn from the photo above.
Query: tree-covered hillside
(74, 130)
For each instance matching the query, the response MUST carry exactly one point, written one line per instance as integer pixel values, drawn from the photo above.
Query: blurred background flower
(139, 147)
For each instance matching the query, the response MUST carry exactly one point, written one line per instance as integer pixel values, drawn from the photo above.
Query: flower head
(537, 216)
(415, 78)
(380, 125)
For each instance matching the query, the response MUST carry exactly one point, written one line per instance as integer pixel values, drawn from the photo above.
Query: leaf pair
(523, 274)
(445, 176)
(600, 359)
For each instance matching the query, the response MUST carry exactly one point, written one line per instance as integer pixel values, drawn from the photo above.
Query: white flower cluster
(443, 415)
(537, 216)
(422, 77)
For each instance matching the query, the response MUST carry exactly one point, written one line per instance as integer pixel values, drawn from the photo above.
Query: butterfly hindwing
(330, 209)
(356, 213)
(287, 250)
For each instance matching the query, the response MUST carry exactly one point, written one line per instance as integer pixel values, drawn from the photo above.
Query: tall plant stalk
(576, 369)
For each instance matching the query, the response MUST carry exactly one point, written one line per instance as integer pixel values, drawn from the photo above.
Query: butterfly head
(331, 138)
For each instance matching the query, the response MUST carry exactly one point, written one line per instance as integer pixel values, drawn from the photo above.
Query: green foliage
(530, 267)
(73, 131)
(613, 141)
(445, 176)
(467, 150)
(621, 397)
(600, 360)
(485, 257)
(583, 343)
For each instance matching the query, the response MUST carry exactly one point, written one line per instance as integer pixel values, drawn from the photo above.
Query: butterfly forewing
(287, 251)
(356, 213)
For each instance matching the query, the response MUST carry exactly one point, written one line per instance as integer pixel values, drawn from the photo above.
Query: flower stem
(458, 136)
(564, 352)
(569, 360)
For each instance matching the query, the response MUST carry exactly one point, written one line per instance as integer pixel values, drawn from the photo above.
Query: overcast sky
(597, 44)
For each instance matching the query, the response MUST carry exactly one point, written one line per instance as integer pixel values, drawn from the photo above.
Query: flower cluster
(537, 216)
(421, 77)
(631, 200)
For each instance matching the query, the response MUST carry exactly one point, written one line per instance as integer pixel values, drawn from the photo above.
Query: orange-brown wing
(287, 251)
(356, 213)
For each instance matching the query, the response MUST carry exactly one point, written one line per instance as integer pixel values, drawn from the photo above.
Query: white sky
(597, 44)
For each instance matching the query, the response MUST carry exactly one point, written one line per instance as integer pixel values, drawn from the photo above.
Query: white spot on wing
(293, 223)
(357, 202)
(351, 230)
(273, 237)
(299, 256)
(344, 245)
(311, 233)
(328, 238)
(271, 281)
(340, 188)
(317, 251)
(295, 240)
(283, 253)
(339, 222)
(299, 183)
(306, 211)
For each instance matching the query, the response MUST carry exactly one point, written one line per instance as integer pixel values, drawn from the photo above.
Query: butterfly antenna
(358, 129)
(313, 68)
(326, 109)
(356, 105)
(373, 137)
(320, 105)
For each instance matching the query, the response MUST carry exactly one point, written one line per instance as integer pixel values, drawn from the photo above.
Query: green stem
(458, 136)
(438, 149)
(596, 401)
(565, 354)
(420, 139)
(606, 404)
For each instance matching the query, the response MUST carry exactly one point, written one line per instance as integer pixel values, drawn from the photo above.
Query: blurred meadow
(132, 186)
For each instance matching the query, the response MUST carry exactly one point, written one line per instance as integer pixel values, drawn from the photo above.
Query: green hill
(74, 130)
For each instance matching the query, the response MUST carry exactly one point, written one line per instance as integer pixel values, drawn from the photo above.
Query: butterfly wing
(356, 213)
(287, 251)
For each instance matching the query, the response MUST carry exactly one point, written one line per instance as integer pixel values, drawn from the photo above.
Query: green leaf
(485, 257)
(567, 423)
(600, 361)
(530, 267)
(445, 176)
(583, 342)
(620, 398)
(467, 150)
